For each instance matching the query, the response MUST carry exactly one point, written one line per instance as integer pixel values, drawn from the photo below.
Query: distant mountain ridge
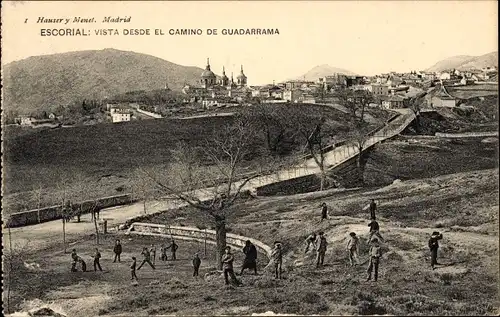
(465, 62)
(40, 82)
(322, 71)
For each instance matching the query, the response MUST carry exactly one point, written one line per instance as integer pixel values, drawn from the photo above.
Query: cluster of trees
(157, 97)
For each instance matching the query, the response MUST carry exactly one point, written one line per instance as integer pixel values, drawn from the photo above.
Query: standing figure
(163, 253)
(117, 249)
(250, 261)
(352, 248)
(153, 253)
(147, 259)
(132, 268)
(375, 254)
(74, 257)
(173, 248)
(373, 209)
(434, 246)
(82, 262)
(196, 265)
(324, 211)
(97, 256)
(311, 240)
(227, 266)
(374, 230)
(321, 248)
(277, 256)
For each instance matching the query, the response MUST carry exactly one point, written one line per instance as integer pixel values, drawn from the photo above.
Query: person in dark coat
(117, 249)
(374, 230)
(324, 211)
(434, 246)
(173, 248)
(250, 261)
(196, 265)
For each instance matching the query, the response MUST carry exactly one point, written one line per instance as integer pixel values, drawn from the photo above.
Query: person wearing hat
(321, 245)
(352, 248)
(227, 266)
(277, 256)
(434, 246)
(375, 254)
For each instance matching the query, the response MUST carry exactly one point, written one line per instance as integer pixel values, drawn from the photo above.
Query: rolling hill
(464, 62)
(40, 82)
(322, 71)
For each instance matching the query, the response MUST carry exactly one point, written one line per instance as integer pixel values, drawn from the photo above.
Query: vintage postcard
(249, 158)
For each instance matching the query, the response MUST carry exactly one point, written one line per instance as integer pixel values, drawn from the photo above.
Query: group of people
(375, 251)
(318, 243)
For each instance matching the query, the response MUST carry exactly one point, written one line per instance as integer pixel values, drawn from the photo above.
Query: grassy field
(105, 155)
(463, 206)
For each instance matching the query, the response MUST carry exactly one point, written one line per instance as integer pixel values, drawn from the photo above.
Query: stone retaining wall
(195, 234)
(30, 217)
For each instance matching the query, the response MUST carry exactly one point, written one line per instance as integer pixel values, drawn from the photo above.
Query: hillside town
(213, 92)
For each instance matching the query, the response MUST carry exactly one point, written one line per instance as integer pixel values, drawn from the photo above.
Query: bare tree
(65, 194)
(37, 195)
(211, 177)
(143, 187)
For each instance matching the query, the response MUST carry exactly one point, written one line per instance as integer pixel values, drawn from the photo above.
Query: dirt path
(47, 234)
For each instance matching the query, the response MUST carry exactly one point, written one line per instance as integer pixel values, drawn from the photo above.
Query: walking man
(375, 253)
(147, 259)
(324, 211)
(352, 248)
(97, 256)
(277, 256)
(434, 246)
(196, 264)
(153, 253)
(321, 248)
(311, 240)
(227, 266)
(132, 268)
(250, 261)
(117, 249)
(373, 208)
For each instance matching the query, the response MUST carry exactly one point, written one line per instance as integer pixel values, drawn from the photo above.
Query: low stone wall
(195, 234)
(467, 134)
(30, 217)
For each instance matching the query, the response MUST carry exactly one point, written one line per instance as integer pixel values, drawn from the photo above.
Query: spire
(242, 69)
(232, 80)
(223, 70)
(208, 64)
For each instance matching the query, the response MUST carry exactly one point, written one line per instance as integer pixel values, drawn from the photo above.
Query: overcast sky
(366, 37)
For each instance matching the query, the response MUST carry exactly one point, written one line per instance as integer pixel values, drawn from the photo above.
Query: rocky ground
(463, 206)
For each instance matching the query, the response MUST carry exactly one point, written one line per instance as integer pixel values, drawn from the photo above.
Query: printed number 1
(26, 21)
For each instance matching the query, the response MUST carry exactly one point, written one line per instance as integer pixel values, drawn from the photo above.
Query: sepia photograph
(250, 158)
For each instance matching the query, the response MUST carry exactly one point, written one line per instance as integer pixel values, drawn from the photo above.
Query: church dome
(207, 73)
(241, 75)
